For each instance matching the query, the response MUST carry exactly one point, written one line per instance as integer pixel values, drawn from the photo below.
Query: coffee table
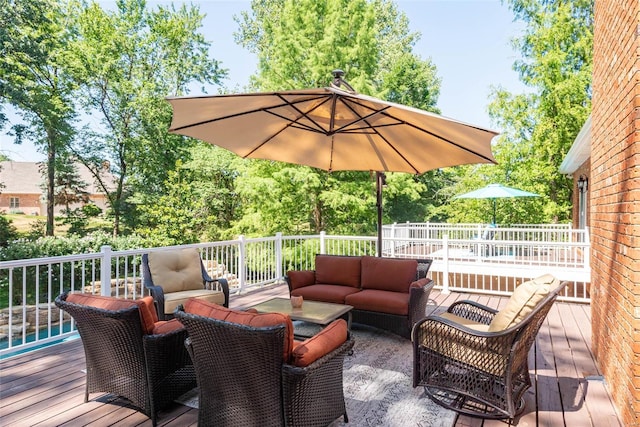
(319, 313)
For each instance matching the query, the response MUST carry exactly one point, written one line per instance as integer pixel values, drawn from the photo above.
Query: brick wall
(615, 202)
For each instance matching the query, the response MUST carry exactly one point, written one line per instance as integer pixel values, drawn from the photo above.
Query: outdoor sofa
(387, 293)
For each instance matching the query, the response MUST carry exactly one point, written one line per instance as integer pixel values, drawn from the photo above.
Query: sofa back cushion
(215, 311)
(388, 274)
(338, 270)
(148, 315)
(522, 302)
(301, 278)
(176, 270)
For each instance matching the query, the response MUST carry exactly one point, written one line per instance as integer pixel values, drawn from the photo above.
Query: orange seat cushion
(215, 311)
(165, 326)
(388, 274)
(325, 293)
(381, 301)
(147, 310)
(321, 344)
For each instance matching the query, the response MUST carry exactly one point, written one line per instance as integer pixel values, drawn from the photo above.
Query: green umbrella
(493, 192)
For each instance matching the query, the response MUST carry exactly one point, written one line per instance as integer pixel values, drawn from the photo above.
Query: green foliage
(175, 217)
(35, 79)
(7, 231)
(298, 44)
(70, 272)
(78, 219)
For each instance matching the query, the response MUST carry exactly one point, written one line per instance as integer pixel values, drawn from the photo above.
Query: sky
(469, 41)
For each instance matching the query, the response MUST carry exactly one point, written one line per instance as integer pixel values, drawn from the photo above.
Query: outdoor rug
(377, 384)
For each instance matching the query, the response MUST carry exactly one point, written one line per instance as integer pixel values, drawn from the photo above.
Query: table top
(321, 313)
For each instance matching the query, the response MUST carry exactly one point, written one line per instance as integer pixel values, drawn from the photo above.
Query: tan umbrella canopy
(332, 129)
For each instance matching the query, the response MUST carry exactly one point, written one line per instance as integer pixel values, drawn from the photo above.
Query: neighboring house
(24, 189)
(606, 155)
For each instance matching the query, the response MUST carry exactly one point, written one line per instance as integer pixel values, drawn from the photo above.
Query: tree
(298, 43)
(125, 62)
(540, 126)
(34, 78)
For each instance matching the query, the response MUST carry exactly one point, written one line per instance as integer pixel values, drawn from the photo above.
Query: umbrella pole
(494, 211)
(379, 185)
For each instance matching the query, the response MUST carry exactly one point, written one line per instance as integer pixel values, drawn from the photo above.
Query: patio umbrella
(332, 129)
(493, 192)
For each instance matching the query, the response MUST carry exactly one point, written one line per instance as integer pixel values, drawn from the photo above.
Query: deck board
(46, 387)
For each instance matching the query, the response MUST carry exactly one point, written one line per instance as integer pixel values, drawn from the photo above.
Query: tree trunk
(51, 172)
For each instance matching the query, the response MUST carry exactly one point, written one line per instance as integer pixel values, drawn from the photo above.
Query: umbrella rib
(244, 113)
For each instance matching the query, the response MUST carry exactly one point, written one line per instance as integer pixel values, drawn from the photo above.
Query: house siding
(615, 202)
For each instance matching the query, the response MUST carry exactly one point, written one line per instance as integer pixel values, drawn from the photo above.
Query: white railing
(28, 287)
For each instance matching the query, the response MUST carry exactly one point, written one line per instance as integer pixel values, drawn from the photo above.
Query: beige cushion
(176, 270)
(523, 300)
(174, 299)
(477, 326)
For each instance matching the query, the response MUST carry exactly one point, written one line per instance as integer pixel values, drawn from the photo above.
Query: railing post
(445, 270)
(278, 248)
(242, 267)
(323, 234)
(105, 271)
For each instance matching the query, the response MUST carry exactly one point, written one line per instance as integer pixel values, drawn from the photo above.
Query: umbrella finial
(339, 81)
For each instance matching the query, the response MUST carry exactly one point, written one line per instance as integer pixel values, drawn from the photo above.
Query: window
(14, 203)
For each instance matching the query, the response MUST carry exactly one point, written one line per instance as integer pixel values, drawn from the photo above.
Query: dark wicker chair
(477, 373)
(243, 381)
(150, 371)
(166, 302)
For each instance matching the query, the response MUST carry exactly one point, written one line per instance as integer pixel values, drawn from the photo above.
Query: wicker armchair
(243, 380)
(150, 368)
(173, 276)
(465, 366)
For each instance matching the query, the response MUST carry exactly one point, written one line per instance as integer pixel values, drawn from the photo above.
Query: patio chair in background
(473, 359)
(251, 372)
(174, 276)
(128, 352)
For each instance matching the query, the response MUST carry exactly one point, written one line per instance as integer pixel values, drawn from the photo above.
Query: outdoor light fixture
(583, 182)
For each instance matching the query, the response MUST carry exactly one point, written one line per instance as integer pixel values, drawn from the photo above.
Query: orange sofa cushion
(338, 270)
(321, 344)
(215, 311)
(381, 301)
(325, 293)
(388, 274)
(301, 278)
(147, 310)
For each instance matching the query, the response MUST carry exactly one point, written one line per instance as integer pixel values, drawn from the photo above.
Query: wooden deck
(46, 387)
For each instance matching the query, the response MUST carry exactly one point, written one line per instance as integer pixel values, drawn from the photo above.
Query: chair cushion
(176, 270)
(174, 299)
(325, 293)
(301, 278)
(522, 302)
(214, 311)
(477, 326)
(338, 270)
(321, 344)
(388, 274)
(147, 310)
(165, 326)
(380, 301)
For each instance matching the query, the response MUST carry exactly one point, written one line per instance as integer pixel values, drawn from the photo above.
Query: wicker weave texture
(482, 374)
(150, 371)
(242, 379)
